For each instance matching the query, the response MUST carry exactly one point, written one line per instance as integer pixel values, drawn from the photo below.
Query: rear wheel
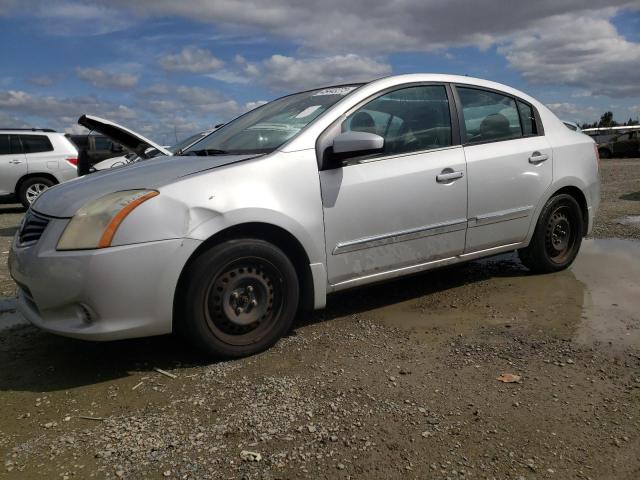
(241, 297)
(31, 189)
(557, 237)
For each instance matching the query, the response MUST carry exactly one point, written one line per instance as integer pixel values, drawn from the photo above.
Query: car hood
(64, 200)
(127, 138)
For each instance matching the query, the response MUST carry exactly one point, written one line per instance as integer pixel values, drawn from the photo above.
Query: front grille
(32, 228)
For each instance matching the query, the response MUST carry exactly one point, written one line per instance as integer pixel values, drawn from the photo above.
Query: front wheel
(241, 297)
(557, 237)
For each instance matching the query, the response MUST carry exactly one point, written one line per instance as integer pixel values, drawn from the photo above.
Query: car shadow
(11, 208)
(8, 231)
(33, 360)
(415, 286)
(634, 197)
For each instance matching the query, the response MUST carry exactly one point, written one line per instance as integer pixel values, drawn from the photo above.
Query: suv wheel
(557, 237)
(31, 189)
(241, 297)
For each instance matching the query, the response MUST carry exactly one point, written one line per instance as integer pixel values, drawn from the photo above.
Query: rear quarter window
(36, 143)
(528, 120)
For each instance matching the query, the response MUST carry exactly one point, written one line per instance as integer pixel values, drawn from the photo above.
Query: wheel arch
(274, 234)
(27, 176)
(569, 187)
(580, 197)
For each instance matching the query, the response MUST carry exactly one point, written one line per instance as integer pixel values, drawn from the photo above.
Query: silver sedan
(310, 194)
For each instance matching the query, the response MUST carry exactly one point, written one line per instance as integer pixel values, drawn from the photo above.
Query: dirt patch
(398, 380)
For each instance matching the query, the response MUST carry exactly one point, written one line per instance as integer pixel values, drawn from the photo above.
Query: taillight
(73, 161)
(595, 147)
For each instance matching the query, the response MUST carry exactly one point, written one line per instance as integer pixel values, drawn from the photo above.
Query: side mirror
(352, 142)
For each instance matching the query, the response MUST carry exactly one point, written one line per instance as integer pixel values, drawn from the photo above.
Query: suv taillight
(73, 161)
(595, 147)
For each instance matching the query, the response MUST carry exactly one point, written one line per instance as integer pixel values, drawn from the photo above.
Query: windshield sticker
(307, 111)
(334, 91)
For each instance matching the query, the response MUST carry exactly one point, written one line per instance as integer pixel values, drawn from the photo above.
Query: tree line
(606, 120)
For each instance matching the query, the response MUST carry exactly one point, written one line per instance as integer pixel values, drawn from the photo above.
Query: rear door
(13, 163)
(395, 209)
(40, 153)
(509, 164)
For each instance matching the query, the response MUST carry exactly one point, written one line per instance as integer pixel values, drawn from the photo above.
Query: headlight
(96, 223)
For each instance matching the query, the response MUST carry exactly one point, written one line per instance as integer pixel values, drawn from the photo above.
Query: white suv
(32, 160)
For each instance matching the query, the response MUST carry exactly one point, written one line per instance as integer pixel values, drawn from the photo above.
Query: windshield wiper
(207, 152)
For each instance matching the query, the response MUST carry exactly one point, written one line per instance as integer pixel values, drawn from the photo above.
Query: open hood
(130, 140)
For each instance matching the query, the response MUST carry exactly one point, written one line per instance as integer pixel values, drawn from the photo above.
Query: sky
(169, 68)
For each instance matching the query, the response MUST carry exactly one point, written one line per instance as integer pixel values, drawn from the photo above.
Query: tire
(241, 296)
(31, 188)
(604, 153)
(557, 237)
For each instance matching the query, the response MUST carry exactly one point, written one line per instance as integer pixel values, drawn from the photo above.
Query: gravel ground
(392, 381)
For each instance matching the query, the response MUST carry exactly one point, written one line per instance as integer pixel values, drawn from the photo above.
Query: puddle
(597, 300)
(629, 220)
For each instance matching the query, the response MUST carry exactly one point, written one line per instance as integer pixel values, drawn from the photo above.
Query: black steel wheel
(557, 237)
(241, 297)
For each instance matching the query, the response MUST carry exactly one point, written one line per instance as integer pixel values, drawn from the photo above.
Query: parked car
(152, 151)
(134, 143)
(32, 160)
(98, 147)
(312, 193)
(623, 145)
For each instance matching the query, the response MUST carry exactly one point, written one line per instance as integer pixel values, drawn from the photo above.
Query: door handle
(448, 175)
(15, 162)
(537, 157)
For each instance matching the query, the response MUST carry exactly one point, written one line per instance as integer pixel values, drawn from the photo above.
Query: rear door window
(36, 143)
(489, 116)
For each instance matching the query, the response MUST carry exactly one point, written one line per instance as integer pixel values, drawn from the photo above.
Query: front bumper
(105, 294)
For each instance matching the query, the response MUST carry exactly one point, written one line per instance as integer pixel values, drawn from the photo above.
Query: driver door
(405, 206)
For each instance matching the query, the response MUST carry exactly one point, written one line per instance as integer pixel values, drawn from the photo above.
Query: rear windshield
(268, 127)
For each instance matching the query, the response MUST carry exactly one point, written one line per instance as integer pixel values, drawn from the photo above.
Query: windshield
(267, 127)
(186, 142)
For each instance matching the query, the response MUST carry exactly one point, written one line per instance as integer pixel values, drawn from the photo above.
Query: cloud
(192, 60)
(563, 42)
(67, 18)
(42, 80)
(104, 79)
(288, 73)
(574, 112)
(357, 25)
(54, 108)
(284, 73)
(590, 55)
